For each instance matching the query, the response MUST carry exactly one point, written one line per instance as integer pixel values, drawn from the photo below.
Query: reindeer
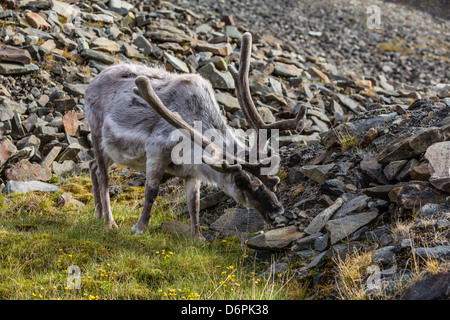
(132, 126)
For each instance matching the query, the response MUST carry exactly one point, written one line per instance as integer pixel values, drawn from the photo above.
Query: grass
(40, 241)
(42, 245)
(347, 141)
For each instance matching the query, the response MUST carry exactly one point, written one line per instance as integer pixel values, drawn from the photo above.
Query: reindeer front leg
(156, 166)
(193, 202)
(96, 189)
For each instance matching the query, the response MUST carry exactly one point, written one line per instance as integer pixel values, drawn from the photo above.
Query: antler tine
(245, 99)
(242, 84)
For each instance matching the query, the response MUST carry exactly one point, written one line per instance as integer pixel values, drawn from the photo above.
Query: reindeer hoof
(136, 230)
(112, 225)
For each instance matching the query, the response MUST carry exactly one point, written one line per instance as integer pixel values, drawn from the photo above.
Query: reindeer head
(250, 187)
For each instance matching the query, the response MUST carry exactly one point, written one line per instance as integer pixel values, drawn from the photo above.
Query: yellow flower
(70, 256)
(108, 265)
(224, 240)
(66, 288)
(40, 296)
(60, 250)
(170, 252)
(33, 294)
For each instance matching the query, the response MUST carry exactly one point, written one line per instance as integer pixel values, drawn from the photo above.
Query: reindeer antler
(146, 92)
(245, 99)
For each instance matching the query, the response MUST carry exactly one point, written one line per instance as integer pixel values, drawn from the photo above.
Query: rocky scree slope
(373, 155)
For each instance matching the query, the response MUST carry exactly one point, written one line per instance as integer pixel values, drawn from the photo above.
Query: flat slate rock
(27, 186)
(436, 287)
(277, 239)
(13, 54)
(12, 69)
(343, 227)
(237, 222)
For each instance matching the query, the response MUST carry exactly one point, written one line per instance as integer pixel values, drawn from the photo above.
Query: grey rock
(12, 69)
(6, 111)
(297, 139)
(321, 243)
(142, 43)
(306, 254)
(436, 287)
(287, 70)
(218, 79)
(341, 228)
(75, 89)
(384, 255)
(275, 269)
(316, 261)
(438, 155)
(321, 219)
(354, 205)
(176, 63)
(439, 252)
(372, 170)
(405, 172)
(29, 141)
(213, 199)
(295, 175)
(317, 172)
(276, 239)
(306, 242)
(228, 101)
(47, 161)
(97, 56)
(27, 186)
(393, 169)
(358, 128)
(238, 222)
(266, 115)
(351, 104)
(409, 145)
(63, 168)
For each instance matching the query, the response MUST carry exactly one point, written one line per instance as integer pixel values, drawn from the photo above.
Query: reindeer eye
(242, 181)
